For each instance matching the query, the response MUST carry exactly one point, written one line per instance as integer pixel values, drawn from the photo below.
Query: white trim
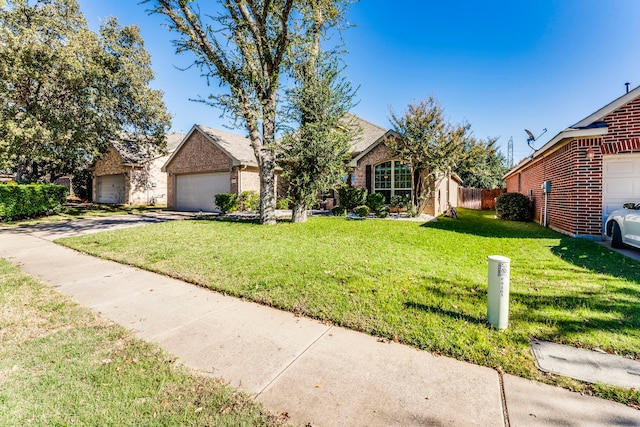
(609, 108)
(354, 162)
(567, 134)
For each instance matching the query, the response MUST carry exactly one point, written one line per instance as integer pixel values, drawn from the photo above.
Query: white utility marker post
(498, 293)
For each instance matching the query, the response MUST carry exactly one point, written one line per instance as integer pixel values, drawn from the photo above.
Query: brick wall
(199, 155)
(379, 154)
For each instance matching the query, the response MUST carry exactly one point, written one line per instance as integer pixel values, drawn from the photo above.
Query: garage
(196, 192)
(110, 189)
(620, 182)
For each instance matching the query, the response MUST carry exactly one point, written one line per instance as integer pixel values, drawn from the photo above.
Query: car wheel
(616, 237)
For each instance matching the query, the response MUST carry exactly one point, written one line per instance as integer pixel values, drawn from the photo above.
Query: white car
(623, 226)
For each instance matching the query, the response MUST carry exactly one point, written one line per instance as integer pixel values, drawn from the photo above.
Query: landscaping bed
(422, 284)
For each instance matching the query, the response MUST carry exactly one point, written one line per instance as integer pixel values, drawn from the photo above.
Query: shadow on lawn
(444, 312)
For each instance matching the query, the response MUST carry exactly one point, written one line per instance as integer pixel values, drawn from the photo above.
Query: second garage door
(620, 182)
(197, 192)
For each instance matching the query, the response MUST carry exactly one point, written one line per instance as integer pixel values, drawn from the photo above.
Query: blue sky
(503, 66)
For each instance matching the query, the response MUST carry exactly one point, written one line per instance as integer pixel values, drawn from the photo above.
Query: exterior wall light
(590, 154)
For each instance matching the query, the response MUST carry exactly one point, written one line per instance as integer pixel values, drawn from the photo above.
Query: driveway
(56, 230)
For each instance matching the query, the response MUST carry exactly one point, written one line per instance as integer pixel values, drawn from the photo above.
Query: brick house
(124, 175)
(592, 168)
(376, 168)
(209, 162)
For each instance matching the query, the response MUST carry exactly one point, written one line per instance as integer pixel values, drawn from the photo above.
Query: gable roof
(591, 126)
(367, 133)
(133, 154)
(237, 147)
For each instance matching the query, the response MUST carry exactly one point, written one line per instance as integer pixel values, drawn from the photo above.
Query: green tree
(482, 165)
(314, 155)
(65, 92)
(244, 47)
(429, 143)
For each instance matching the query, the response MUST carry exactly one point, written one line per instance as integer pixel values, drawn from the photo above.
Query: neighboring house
(591, 168)
(209, 162)
(376, 168)
(124, 175)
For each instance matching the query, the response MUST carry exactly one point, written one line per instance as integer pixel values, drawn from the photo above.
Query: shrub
(362, 211)
(283, 204)
(250, 200)
(514, 207)
(26, 201)
(339, 211)
(227, 202)
(352, 197)
(399, 201)
(375, 201)
(383, 211)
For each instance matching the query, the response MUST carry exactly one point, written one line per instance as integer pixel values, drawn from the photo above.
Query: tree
(429, 143)
(66, 92)
(482, 165)
(244, 48)
(314, 155)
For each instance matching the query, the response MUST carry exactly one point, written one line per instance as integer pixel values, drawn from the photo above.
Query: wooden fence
(478, 198)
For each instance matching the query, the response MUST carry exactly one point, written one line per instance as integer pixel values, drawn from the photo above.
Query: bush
(352, 197)
(362, 211)
(250, 200)
(227, 202)
(27, 201)
(400, 201)
(375, 201)
(383, 211)
(282, 204)
(339, 211)
(514, 207)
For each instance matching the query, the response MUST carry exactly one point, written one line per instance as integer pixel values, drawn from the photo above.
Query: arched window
(392, 178)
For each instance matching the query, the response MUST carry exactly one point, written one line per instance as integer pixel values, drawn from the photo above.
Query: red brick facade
(575, 200)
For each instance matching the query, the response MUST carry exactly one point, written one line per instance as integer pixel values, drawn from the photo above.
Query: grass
(70, 213)
(61, 364)
(421, 284)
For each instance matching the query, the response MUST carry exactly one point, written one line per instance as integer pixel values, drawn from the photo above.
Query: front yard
(420, 284)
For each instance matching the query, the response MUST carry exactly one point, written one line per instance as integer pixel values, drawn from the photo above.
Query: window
(392, 178)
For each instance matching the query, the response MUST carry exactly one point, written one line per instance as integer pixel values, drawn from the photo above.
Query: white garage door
(197, 192)
(620, 182)
(110, 189)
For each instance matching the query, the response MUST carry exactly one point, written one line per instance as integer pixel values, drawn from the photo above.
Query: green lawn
(62, 365)
(421, 284)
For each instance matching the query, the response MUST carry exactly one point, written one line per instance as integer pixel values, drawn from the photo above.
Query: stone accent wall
(249, 180)
(199, 155)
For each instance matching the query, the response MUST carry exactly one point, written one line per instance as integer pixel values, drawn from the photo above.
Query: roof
(133, 154)
(591, 126)
(367, 133)
(237, 147)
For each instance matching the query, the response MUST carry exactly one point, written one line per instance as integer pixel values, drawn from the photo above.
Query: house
(376, 168)
(124, 175)
(209, 162)
(586, 171)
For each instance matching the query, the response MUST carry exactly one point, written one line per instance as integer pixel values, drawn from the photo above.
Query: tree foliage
(66, 91)
(429, 143)
(482, 165)
(313, 155)
(246, 46)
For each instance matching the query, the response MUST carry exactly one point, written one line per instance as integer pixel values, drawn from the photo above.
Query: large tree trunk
(299, 213)
(267, 187)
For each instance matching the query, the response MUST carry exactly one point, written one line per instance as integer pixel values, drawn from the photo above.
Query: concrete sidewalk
(317, 373)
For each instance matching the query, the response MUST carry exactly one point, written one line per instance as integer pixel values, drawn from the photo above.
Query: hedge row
(27, 201)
